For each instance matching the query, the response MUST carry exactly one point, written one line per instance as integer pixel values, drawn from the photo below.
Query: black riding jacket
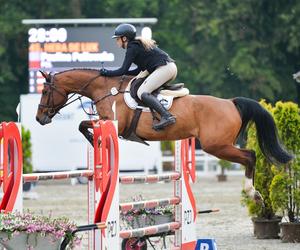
(142, 58)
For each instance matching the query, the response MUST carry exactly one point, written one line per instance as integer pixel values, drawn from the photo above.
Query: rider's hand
(103, 72)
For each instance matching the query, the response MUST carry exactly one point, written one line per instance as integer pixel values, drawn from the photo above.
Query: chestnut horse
(214, 121)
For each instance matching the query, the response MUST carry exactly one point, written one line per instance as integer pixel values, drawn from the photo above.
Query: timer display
(42, 35)
(59, 48)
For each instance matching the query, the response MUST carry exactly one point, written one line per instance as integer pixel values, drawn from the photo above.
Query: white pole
(114, 110)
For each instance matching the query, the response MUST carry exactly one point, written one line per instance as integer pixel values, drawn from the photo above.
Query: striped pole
(149, 178)
(124, 207)
(57, 175)
(140, 232)
(127, 179)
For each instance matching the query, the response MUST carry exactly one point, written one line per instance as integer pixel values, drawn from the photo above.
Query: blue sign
(206, 244)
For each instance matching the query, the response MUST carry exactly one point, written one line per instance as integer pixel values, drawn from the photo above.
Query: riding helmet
(125, 29)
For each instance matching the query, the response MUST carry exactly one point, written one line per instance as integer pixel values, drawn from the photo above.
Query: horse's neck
(95, 87)
(102, 93)
(89, 84)
(105, 84)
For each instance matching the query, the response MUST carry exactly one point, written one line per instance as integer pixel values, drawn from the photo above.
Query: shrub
(27, 152)
(285, 187)
(224, 165)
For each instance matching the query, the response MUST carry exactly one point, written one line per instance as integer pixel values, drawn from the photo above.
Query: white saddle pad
(166, 101)
(165, 97)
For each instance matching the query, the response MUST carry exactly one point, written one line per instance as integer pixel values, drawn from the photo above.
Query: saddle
(165, 94)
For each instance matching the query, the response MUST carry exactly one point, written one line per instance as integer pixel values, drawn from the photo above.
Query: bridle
(52, 110)
(50, 106)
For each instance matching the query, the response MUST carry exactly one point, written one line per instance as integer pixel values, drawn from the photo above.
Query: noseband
(50, 106)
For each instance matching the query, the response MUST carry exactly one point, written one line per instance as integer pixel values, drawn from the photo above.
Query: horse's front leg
(84, 127)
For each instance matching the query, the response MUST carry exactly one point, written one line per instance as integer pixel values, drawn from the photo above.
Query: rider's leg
(166, 117)
(157, 78)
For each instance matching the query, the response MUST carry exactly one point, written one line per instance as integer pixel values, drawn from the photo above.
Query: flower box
(143, 217)
(138, 221)
(156, 219)
(25, 241)
(146, 220)
(35, 232)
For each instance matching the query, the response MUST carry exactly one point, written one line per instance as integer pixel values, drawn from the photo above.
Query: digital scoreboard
(55, 47)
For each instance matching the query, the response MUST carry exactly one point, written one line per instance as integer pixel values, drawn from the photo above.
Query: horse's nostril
(37, 119)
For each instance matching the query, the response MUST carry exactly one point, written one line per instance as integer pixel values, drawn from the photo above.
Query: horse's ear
(45, 75)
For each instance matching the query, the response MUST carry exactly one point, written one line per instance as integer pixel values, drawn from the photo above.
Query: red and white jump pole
(185, 205)
(103, 195)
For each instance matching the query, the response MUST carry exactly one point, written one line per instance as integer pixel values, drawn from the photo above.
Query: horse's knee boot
(81, 127)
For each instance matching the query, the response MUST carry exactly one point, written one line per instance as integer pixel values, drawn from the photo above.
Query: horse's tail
(251, 110)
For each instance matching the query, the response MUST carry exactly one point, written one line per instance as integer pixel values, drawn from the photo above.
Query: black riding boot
(166, 117)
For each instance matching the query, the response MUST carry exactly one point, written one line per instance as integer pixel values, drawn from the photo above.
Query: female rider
(146, 56)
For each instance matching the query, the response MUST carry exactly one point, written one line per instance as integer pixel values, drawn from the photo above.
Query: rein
(52, 110)
(80, 90)
(113, 92)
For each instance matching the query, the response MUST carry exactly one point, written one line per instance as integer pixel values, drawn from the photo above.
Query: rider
(147, 56)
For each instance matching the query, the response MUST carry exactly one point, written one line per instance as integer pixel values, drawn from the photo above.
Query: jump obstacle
(103, 187)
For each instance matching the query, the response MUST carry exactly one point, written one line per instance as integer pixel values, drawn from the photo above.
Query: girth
(130, 133)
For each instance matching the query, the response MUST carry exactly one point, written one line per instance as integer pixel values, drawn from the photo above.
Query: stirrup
(164, 122)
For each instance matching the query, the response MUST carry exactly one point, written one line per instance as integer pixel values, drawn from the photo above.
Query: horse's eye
(44, 92)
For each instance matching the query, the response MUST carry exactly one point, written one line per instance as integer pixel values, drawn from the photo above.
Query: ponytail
(147, 43)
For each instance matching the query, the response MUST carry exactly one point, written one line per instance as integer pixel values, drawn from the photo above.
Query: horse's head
(52, 100)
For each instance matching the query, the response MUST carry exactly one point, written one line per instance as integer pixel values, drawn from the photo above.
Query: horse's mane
(126, 78)
(73, 69)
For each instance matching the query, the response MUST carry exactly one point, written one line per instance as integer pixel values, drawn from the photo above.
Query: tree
(12, 58)
(14, 46)
(224, 48)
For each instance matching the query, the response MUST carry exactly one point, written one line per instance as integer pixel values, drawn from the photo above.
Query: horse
(216, 122)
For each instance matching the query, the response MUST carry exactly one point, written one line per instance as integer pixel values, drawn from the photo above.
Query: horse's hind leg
(244, 157)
